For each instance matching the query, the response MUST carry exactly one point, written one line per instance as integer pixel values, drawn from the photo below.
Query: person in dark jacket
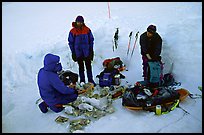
(151, 46)
(52, 90)
(81, 42)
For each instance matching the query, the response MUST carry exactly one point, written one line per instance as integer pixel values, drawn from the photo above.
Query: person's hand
(74, 57)
(91, 55)
(148, 57)
(71, 85)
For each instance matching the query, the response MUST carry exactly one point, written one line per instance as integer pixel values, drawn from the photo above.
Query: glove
(74, 57)
(91, 55)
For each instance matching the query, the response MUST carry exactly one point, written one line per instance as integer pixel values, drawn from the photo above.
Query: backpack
(114, 63)
(68, 77)
(155, 72)
(107, 77)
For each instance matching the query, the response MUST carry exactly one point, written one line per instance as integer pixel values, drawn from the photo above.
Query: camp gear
(135, 105)
(68, 77)
(61, 119)
(158, 109)
(109, 77)
(114, 63)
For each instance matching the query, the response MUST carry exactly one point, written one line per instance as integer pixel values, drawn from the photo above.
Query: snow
(30, 30)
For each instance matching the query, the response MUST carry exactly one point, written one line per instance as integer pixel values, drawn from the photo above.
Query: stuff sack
(68, 77)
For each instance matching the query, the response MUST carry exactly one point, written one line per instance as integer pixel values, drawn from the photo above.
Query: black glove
(74, 57)
(91, 55)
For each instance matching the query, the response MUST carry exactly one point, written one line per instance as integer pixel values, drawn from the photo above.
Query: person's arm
(59, 85)
(91, 43)
(143, 45)
(91, 40)
(71, 42)
(158, 46)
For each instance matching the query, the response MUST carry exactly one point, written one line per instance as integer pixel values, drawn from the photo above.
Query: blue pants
(70, 98)
(87, 62)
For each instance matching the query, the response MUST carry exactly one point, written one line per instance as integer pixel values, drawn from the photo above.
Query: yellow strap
(172, 108)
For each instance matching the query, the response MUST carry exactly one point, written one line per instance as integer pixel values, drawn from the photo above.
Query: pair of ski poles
(134, 46)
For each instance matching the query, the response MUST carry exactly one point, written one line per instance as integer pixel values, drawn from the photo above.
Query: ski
(116, 39)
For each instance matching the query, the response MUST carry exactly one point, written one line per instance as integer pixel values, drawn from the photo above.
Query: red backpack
(114, 63)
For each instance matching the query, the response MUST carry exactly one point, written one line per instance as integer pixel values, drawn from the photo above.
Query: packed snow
(30, 30)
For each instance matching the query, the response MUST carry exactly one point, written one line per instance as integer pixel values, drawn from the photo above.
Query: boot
(43, 107)
(90, 77)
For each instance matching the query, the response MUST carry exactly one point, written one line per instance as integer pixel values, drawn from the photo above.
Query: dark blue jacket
(81, 41)
(151, 46)
(52, 90)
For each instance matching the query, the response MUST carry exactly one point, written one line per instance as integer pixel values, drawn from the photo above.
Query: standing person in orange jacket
(81, 42)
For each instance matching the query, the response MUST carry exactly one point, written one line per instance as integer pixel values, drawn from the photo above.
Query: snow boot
(43, 107)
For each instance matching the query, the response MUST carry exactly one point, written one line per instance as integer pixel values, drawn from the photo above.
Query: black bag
(68, 77)
(168, 79)
(136, 97)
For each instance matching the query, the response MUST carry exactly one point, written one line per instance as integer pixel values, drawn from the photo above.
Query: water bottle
(158, 109)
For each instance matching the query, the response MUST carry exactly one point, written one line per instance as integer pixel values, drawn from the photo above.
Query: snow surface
(30, 30)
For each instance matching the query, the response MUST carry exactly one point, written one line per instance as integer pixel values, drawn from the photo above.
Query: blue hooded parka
(52, 90)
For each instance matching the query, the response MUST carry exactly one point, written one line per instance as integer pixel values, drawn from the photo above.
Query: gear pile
(92, 104)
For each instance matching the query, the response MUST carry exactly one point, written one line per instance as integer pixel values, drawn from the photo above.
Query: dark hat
(152, 29)
(79, 19)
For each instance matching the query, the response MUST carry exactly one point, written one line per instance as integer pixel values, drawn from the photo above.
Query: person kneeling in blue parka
(52, 89)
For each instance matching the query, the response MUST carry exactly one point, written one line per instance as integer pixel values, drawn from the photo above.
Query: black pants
(87, 62)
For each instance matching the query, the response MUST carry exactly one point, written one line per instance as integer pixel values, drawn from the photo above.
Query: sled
(183, 94)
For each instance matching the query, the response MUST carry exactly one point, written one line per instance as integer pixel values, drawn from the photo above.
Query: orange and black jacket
(80, 41)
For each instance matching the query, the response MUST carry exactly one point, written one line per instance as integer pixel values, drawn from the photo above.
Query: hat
(152, 29)
(79, 19)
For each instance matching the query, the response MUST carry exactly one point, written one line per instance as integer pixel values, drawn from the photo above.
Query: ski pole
(136, 36)
(130, 35)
